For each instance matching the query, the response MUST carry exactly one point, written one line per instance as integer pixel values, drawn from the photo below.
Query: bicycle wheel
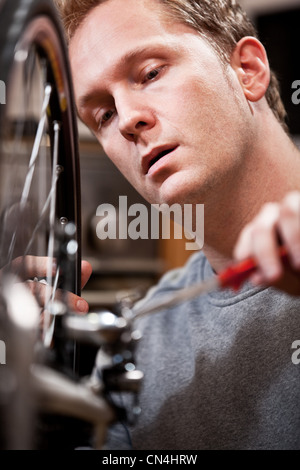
(39, 164)
(39, 182)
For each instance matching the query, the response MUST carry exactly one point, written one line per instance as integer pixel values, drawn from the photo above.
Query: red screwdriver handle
(234, 276)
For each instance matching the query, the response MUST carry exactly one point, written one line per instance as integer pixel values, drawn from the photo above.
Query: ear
(250, 62)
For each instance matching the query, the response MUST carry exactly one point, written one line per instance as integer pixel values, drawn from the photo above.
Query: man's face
(160, 103)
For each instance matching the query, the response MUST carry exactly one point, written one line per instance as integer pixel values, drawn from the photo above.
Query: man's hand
(37, 267)
(276, 223)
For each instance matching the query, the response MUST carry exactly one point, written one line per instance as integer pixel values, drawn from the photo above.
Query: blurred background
(121, 266)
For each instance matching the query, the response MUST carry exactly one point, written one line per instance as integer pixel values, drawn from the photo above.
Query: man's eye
(104, 118)
(152, 74)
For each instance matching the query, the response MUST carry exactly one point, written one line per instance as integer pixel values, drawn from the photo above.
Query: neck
(270, 172)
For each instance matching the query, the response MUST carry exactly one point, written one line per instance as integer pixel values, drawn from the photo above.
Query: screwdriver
(232, 277)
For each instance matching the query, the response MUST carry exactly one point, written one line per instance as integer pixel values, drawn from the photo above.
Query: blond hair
(222, 22)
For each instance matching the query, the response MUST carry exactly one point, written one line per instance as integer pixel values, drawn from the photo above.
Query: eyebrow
(131, 56)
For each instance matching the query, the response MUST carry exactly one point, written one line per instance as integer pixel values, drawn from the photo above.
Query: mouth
(157, 154)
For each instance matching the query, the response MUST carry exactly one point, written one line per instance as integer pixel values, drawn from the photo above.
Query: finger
(38, 289)
(258, 240)
(243, 246)
(38, 266)
(43, 294)
(289, 227)
(265, 243)
(86, 271)
(257, 278)
(77, 304)
(33, 266)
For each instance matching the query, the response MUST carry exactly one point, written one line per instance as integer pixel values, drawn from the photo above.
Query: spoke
(19, 128)
(43, 213)
(49, 320)
(28, 73)
(31, 167)
(40, 221)
(36, 147)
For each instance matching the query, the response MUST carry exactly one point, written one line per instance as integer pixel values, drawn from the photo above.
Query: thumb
(86, 271)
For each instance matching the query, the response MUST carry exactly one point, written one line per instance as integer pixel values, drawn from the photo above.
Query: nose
(135, 116)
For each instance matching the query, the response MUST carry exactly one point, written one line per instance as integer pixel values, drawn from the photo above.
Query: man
(180, 95)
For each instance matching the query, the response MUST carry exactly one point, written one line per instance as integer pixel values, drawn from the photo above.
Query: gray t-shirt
(218, 370)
